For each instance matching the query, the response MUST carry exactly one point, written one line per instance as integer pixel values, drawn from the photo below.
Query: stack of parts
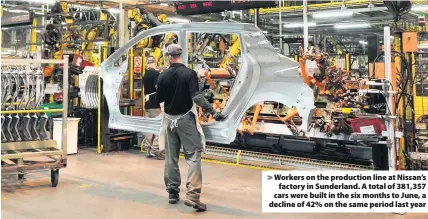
(22, 88)
(88, 84)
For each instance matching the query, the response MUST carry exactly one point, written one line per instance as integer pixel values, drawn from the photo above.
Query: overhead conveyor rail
(26, 145)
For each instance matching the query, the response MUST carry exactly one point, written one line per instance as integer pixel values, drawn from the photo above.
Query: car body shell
(264, 75)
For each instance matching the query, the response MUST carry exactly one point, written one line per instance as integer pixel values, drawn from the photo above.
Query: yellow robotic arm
(137, 15)
(234, 51)
(145, 20)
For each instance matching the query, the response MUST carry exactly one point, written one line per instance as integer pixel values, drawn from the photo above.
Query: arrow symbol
(269, 177)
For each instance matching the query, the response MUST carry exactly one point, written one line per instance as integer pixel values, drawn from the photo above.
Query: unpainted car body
(264, 75)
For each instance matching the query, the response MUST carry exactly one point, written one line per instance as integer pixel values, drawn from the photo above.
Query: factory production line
(258, 131)
(239, 157)
(333, 140)
(270, 134)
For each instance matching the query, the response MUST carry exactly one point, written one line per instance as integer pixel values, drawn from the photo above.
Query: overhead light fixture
(419, 7)
(332, 14)
(178, 20)
(84, 7)
(264, 32)
(363, 42)
(351, 25)
(45, 2)
(423, 46)
(114, 10)
(17, 11)
(296, 25)
(164, 4)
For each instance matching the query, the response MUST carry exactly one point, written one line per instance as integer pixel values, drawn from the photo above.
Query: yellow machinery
(90, 34)
(52, 38)
(231, 60)
(143, 21)
(63, 40)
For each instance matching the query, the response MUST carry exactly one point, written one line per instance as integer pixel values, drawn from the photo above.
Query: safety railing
(267, 161)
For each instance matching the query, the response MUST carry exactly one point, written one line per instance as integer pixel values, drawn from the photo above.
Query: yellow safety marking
(238, 156)
(33, 36)
(348, 61)
(142, 145)
(233, 164)
(51, 97)
(76, 84)
(84, 186)
(99, 146)
(32, 111)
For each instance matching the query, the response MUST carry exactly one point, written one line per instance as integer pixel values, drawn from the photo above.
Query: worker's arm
(200, 100)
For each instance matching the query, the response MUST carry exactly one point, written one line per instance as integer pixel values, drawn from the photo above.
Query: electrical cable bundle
(404, 95)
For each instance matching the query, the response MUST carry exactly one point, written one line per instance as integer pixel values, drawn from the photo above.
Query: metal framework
(14, 155)
(272, 161)
(389, 96)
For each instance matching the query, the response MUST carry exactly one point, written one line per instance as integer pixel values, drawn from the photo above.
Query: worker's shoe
(155, 155)
(198, 205)
(173, 197)
(149, 153)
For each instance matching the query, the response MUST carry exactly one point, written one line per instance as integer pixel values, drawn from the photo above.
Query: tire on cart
(54, 177)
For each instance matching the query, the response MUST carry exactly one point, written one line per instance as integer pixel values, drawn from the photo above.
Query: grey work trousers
(184, 133)
(151, 141)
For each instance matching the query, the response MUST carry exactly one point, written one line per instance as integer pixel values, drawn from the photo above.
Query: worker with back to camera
(151, 106)
(178, 89)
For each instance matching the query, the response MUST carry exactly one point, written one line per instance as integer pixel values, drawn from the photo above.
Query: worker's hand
(218, 116)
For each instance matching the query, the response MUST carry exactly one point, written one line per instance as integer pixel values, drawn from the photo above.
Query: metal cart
(22, 157)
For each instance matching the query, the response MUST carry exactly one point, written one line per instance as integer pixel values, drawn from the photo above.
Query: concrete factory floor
(126, 185)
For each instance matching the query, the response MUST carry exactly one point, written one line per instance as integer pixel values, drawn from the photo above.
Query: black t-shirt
(175, 87)
(149, 82)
